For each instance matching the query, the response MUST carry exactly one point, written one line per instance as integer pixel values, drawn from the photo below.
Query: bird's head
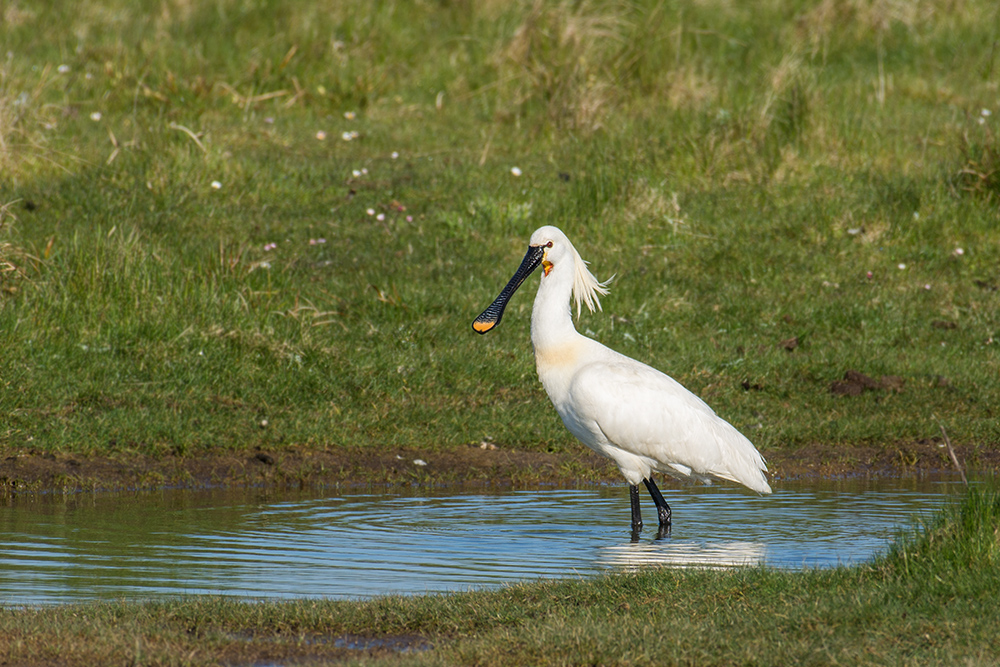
(549, 248)
(553, 244)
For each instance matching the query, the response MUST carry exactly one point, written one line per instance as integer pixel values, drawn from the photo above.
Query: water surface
(252, 543)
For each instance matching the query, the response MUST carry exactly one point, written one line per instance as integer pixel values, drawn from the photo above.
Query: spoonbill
(638, 417)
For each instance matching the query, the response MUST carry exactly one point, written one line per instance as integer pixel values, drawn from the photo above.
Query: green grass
(740, 171)
(931, 599)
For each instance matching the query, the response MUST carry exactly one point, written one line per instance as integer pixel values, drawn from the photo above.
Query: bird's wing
(649, 414)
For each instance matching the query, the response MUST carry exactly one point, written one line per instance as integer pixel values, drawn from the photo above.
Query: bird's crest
(586, 287)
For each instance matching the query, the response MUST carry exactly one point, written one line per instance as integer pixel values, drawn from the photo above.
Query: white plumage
(640, 418)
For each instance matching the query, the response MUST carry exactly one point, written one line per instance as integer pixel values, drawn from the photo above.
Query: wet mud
(473, 465)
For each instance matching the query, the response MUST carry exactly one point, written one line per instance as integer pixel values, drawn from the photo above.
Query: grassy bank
(930, 599)
(238, 225)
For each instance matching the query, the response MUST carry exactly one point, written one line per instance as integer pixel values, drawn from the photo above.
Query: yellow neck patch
(546, 266)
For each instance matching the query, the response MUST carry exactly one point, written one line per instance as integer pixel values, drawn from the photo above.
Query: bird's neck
(551, 317)
(559, 348)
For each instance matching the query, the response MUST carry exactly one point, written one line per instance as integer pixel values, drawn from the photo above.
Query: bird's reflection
(672, 553)
(662, 532)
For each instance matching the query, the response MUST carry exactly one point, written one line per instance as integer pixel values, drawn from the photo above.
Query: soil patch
(473, 465)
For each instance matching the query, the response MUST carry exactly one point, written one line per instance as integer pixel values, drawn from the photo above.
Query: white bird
(640, 418)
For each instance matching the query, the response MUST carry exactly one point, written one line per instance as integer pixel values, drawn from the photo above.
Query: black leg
(633, 492)
(662, 508)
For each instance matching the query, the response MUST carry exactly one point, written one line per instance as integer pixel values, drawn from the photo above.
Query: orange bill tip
(483, 327)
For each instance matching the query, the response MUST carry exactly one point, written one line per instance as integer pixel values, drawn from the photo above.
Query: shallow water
(252, 543)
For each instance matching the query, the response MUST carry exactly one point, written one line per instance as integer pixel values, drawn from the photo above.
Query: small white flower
(395, 155)
(902, 267)
(370, 211)
(958, 252)
(349, 115)
(364, 170)
(985, 112)
(419, 462)
(916, 215)
(356, 173)
(346, 136)
(981, 120)
(269, 120)
(515, 170)
(88, 76)
(216, 185)
(63, 69)
(96, 116)
(380, 217)
(854, 231)
(263, 423)
(927, 286)
(321, 135)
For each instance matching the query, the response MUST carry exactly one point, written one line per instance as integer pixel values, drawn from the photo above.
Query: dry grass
(15, 13)
(866, 17)
(563, 58)
(687, 87)
(16, 265)
(979, 173)
(24, 120)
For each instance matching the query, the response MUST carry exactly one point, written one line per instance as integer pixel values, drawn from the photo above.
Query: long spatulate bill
(490, 317)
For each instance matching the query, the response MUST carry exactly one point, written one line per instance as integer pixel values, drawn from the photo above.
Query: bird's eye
(549, 244)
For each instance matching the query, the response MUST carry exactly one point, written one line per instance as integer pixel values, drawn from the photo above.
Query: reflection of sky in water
(259, 544)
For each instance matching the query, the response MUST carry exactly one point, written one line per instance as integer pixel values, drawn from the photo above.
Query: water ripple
(244, 543)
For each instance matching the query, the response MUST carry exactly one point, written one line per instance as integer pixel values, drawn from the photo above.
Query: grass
(930, 599)
(741, 172)
(740, 169)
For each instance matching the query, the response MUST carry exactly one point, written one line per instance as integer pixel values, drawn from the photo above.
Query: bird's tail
(743, 463)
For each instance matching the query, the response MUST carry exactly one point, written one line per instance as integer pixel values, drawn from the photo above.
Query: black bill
(491, 316)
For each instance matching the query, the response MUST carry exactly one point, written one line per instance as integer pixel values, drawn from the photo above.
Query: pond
(260, 544)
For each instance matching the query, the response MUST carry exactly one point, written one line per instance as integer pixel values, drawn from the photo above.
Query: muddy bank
(475, 465)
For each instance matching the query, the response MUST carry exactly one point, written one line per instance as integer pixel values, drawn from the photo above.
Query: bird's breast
(556, 357)
(556, 365)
